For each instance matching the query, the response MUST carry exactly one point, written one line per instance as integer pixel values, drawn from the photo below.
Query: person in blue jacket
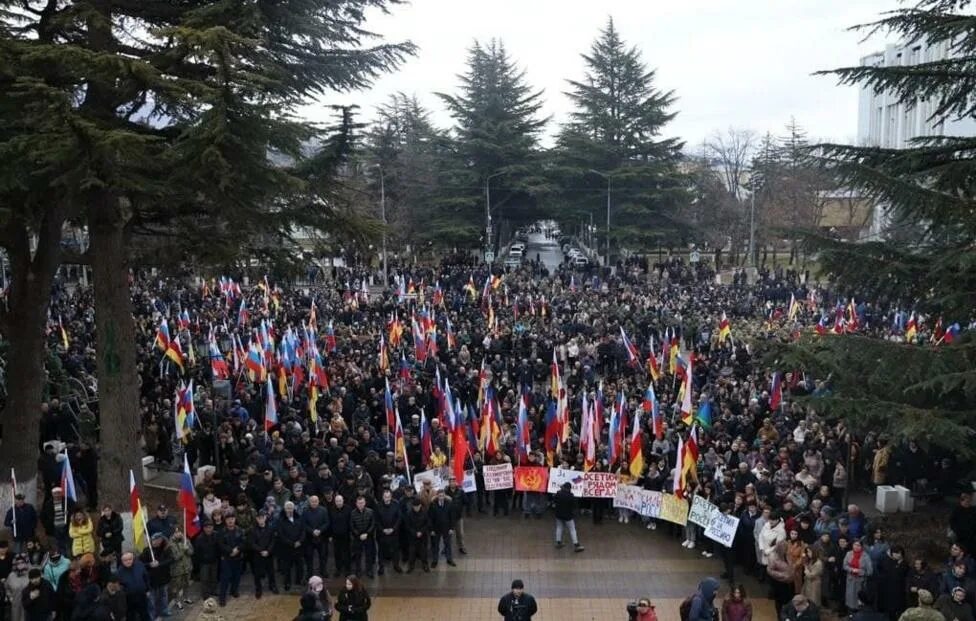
(703, 601)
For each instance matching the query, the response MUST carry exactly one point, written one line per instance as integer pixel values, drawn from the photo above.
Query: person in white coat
(773, 532)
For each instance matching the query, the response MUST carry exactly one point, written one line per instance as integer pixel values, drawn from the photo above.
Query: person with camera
(641, 610)
(517, 605)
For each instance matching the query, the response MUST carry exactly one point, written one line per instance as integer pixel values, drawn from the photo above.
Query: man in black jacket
(158, 561)
(37, 597)
(417, 527)
(564, 506)
(315, 519)
(340, 515)
(206, 552)
(291, 534)
(441, 528)
(517, 605)
(261, 541)
(231, 540)
(388, 523)
(363, 529)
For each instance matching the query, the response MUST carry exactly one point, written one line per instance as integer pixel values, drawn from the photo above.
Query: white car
(579, 261)
(574, 252)
(515, 252)
(517, 246)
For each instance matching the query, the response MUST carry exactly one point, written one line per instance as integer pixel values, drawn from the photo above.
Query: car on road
(579, 261)
(519, 246)
(518, 253)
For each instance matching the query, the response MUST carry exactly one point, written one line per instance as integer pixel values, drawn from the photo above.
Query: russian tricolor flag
(188, 501)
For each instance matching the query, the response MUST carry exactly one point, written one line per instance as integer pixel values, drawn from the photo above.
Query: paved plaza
(621, 562)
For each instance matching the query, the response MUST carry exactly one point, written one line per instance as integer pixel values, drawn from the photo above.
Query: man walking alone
(565, 510)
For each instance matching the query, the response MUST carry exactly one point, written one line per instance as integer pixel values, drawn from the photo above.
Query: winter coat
(52, 571)
(564, 505)
(769, 537)
(353, 605)
(953, 610)
(892, 580)
(440, 517)
(111, 525)
(38, 601)
(703, 601)
(206, 548)
(82, 538)
(362, 522)
(813, 581)
(855, 583)
(520, 609)
(736, 610)
(160, 575)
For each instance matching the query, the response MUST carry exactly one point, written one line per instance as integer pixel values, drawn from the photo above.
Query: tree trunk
(118, 395)
(26, 319)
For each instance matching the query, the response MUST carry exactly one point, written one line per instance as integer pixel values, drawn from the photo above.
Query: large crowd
(318, 484)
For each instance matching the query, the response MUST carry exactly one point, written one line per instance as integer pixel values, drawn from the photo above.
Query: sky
(731, 63)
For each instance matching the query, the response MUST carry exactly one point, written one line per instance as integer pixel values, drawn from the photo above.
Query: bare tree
(733, 151)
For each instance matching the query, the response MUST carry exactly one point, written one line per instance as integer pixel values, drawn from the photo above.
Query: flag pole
(13, 510)
(145, 527)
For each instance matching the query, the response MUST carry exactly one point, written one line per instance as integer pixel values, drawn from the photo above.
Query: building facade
(883, 121)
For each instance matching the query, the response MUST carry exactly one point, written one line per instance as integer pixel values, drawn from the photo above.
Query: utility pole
(608, 178)
(383, 216)
(488, 242)
(752, 224)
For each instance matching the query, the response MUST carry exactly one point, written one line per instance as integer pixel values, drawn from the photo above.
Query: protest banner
(628, 497)
(674, 509)
(651, 504)
(531, 479)
(498, 476)
(469, 484)
(702, 512)
(599, 484)
(437, 481)
(558, 476)
(722, 529)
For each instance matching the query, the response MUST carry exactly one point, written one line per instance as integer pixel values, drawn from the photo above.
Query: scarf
(856, 558)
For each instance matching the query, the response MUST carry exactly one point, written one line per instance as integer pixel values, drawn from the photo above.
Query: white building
(883, 121)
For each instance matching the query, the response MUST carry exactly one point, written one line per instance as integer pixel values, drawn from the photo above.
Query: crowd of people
(319, 483)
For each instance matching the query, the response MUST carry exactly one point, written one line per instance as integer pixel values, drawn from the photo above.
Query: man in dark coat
(261, 542)
(231, 542)
(363, 530)
(315, 520)
(441, 528)
(388, 529)
(517, 605)
(37, 597)
(206, 552)
(340, 515)
(417, 527)
(892, 577)
(288, 552)
(564, 507)
(21, 519)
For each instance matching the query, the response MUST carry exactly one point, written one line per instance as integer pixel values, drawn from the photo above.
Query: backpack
(684, 610)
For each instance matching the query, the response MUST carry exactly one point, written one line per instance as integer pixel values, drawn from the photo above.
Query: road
(551, 255)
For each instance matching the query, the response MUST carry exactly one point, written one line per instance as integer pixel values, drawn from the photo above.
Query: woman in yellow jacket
(438, 459)
(82, 533)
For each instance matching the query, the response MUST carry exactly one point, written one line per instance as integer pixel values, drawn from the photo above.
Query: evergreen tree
(160, 118)
(404, 144)
(497, 127)
(911, 390)
(615, 129)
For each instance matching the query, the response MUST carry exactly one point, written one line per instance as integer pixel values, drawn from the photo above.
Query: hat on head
(958, 588)
(34, 573)
(161, 508)
(19, 496)
(517, 584)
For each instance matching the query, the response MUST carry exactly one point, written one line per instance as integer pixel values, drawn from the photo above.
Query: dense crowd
(323, 489)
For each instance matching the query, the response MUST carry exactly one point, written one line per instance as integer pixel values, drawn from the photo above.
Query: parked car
(579, 261)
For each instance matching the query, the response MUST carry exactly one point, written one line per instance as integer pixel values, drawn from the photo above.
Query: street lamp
(608, 178)
(488, 244)
(383, 215)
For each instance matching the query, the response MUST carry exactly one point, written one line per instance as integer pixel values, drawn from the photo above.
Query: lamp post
(383, 216)
(752, 221)
(609, 179)
(488, 244)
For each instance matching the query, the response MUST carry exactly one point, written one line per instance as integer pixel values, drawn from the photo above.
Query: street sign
(694, 256)
(489, 256)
